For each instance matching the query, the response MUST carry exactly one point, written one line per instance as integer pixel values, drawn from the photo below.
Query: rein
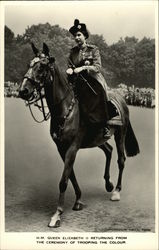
(41, 107)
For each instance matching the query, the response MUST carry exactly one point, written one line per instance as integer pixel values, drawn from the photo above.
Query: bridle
(36, 97)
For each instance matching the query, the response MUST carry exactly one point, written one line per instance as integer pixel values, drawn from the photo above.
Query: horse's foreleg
(107, 148)
(67, 173)
(119, 139)
(78, 204)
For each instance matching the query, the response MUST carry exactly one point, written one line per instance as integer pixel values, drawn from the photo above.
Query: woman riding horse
(75, 132)
(85, 60)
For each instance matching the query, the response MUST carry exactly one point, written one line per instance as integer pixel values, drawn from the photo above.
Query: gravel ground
(33, 169)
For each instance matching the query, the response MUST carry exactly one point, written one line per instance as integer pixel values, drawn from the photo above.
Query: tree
(129, 61)
(9, 36)
(145, 62)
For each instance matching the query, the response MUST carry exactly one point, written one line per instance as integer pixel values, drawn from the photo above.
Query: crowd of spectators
(11, 89)
(142, 97)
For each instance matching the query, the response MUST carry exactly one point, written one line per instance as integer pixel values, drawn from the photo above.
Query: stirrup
(54, 136)
(106, 133)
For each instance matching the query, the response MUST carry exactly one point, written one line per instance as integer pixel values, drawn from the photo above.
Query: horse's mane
(62, 76)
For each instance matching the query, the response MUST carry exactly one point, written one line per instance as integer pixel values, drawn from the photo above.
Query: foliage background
(130, 61)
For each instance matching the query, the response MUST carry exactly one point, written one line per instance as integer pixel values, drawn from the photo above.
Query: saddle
(115, 113)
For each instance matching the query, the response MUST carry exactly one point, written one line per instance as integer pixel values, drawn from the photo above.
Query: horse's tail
(131, 143)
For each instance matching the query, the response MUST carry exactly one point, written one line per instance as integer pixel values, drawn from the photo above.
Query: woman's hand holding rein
(70, 71)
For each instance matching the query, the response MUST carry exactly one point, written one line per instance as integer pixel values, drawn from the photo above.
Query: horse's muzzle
(25, 94)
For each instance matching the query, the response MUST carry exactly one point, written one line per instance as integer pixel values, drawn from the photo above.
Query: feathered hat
(79, 27)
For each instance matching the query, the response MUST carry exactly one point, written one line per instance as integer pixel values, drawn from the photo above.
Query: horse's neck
(59, 87)
(58, 94)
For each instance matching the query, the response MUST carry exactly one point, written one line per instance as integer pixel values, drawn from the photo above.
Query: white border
(28, 240)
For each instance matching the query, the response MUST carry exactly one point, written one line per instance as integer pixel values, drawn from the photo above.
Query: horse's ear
(45, 49)
(35, 50)
(51, 59)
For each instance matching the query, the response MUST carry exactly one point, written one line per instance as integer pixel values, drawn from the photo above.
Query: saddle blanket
(115, 111)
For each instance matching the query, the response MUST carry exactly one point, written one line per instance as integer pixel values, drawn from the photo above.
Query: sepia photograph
(79, 124)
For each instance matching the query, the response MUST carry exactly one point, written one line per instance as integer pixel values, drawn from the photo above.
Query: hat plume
(76, 22)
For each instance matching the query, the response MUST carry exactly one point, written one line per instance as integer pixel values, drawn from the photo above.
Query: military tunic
(93, 107)
(89, 58)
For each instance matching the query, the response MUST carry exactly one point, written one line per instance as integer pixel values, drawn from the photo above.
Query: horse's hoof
(109, 186)
(115, 196)
(78, 206)
(55, 221)
(55, 225)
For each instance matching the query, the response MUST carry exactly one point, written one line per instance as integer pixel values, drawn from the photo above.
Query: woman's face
(80, 38)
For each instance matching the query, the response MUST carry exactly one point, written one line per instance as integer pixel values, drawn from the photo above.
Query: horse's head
(37, 73)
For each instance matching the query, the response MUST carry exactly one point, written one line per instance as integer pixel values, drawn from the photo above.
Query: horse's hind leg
(107, 148)
(78, 204)
(119, 139)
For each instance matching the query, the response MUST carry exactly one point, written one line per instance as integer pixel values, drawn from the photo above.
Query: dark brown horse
(70, 131)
